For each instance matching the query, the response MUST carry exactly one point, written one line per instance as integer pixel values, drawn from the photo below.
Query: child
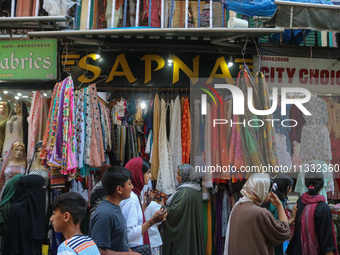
(68, 211)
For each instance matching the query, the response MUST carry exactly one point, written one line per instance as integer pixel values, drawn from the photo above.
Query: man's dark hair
(73, 203)
(146, 166)
(115, 176)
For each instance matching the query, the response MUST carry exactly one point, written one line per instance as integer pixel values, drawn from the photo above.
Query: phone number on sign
(317, 168)
(279, 59)
(34, 45)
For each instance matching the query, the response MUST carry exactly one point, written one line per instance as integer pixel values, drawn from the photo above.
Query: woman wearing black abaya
(26, 220)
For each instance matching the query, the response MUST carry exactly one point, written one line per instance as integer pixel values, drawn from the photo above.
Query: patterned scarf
(309, 241)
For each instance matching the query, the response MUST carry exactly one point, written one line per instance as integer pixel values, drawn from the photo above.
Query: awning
(295, 15)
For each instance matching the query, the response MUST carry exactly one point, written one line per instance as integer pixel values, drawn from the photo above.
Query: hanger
(104, 77)
(258, 53)
(243, 51)
(64, 70)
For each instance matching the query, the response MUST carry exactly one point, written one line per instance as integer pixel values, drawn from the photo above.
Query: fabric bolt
(155, 146)
(175, 136)
(334, 119)
(315, 143)
(166, 178)
(78, 244)
(186, 132)
(318, 108)
(80, 126)
(36, 121)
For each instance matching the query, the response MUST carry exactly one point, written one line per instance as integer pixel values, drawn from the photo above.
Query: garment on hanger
(155, 145)
(296, 132)
(79, 97)
(186, 132)
(166, 178)
(284, 156)
(36, 121)
(334, 119)
(175, 137)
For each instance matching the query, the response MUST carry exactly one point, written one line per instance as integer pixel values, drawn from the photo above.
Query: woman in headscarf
(7, 199)
(251, 228)
(314, 229)
(14, 163)
(26, 219)
(16, 126)
(184, 232)
(132, 209)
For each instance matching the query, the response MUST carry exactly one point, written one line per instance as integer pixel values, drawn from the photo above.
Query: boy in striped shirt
(68, 211)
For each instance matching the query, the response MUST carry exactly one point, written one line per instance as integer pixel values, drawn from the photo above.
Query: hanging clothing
(155, 145)
(155, 12)
(175, 136)
(79, 102)
(295, 132)
(36, 121)
(186, 132)
(284, 156)
(333, 125)
(318, 108)
(166, 178)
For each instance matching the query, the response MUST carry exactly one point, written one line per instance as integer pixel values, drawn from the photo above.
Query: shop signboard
(320, 76)
(152, 69)
(28, 60)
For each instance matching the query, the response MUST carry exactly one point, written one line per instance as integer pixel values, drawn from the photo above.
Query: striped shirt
(78, 244)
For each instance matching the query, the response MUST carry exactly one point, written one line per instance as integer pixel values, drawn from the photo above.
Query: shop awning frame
(36, 22)
(295, 15)
(214, 35)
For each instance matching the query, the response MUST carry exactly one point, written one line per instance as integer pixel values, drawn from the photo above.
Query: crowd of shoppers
(125, 219)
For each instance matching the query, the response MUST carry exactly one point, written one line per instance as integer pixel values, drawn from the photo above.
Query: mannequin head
(18, 150)
(17, 108)
(2, 109)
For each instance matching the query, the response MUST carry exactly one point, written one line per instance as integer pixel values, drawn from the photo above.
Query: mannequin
(5, 109)
(16, 126)
(14, 163)
(36, 167)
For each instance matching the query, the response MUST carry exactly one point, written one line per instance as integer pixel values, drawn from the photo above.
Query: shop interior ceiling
(11, 95)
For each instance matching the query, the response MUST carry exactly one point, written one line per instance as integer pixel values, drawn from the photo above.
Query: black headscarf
(37, 146)
(26, 221)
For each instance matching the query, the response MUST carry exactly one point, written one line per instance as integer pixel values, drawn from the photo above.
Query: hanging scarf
(135, 166)
(309, 240)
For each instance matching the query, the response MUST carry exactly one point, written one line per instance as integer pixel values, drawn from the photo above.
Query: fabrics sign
(317, 75)
(28, 60)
